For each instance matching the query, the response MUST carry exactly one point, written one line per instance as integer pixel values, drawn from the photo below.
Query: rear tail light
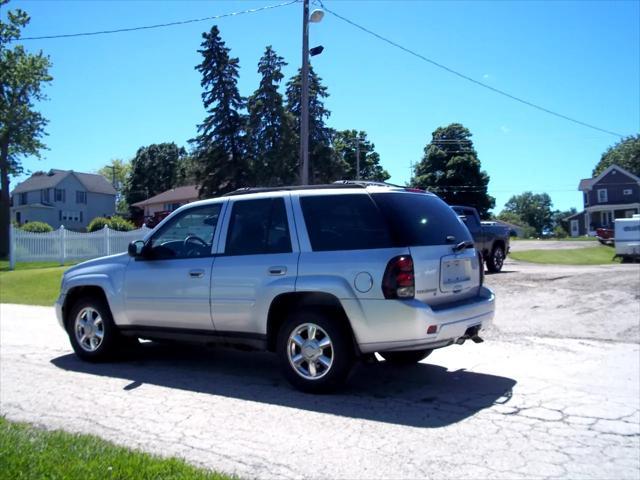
(398, 280)
(480, 266)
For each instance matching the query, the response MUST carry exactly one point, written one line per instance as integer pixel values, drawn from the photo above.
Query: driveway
(521, 245)
(536, 399)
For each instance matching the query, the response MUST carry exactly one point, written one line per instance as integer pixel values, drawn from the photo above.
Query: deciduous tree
(532, 208)
(345, 144)
(22, 78)
(450, 168)
(625, 153)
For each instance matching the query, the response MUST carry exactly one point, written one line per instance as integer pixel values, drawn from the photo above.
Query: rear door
(431, 230)
(258, 261)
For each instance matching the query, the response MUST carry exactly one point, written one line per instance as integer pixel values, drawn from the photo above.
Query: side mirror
(136, 248)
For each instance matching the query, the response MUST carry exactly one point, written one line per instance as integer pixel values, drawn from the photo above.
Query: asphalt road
(526, 403)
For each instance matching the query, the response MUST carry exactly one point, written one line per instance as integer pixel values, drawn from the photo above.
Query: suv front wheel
(94, 337)
(315, 352)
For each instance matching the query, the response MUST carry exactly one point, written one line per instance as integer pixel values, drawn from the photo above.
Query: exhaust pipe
(470, 334)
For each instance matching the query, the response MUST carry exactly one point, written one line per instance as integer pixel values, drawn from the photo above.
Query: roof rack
(246, 190)
(366, 183)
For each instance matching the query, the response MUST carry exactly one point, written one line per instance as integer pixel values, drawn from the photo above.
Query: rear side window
(258, 227)
(419, 220)
(344, 222)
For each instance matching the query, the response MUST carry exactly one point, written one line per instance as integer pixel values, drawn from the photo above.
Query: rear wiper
(462, 246)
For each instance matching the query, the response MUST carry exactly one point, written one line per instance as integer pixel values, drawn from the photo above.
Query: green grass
(579, 256)
(27, 452)
(35, 283)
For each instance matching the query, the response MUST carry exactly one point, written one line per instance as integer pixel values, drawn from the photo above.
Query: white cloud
(486, 76)
(505, 129)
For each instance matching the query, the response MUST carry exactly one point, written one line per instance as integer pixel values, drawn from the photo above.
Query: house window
(59, 195)
(81, 197)
(171, 206)
(602, 195)
(23, 198)
(586, 199)
(627, 191)
(44, 195)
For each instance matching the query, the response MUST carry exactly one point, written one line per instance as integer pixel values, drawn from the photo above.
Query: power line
(159, 25)
(466, 77)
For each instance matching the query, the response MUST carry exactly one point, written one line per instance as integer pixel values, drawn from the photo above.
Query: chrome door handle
(277, 270)
(196, 273)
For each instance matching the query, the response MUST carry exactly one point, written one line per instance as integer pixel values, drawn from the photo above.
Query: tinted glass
(344, 222)
(258, 227)
(188, 235)
(419, 219)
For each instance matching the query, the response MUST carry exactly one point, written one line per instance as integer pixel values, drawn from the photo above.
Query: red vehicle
(605, 236)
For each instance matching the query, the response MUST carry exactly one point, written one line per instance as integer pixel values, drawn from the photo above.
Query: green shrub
(97, 223)
(559, 232)
(37, 227)
(529, 232)
(120, 224)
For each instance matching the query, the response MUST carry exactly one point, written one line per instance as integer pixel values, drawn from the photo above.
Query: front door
(575, 228)
(170, 285)
(259, 262)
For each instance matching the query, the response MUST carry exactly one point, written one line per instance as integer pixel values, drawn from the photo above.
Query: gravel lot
(521, 245)
(553, 392)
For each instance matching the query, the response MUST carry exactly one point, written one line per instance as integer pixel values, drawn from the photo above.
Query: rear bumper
(388, 325)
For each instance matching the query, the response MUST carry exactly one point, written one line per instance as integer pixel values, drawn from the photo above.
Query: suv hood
(98, 264)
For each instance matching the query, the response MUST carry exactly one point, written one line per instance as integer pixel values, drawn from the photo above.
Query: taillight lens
(480, 266)
(398, 280)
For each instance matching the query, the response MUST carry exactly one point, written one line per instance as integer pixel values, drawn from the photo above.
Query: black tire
(111, 343)
(341, 351)
(406, 358)
(495, 260)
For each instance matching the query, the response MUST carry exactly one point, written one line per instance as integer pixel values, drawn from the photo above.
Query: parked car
(492, 241)
(320, 275)
(605, 236)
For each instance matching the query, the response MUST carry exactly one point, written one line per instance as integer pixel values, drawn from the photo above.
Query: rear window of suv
(417, 219)
(344, 222)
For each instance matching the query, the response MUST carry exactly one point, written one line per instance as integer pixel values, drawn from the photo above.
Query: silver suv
(319, 275)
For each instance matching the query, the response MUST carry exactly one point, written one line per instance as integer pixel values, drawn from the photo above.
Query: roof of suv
(339, 185)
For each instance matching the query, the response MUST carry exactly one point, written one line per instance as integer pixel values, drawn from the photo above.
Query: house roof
(587, 183)
(93, 182)
(180, 194)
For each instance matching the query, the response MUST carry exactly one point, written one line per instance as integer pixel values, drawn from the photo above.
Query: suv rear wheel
(315, 352)
(495, 259)
(405, 358)
(94, 337)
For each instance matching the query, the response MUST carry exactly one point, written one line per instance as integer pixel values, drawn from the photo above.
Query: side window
(344, 222)
(258, 227)
(188, 235)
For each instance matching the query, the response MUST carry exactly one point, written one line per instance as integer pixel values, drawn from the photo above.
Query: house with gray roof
(63, 197)
(615, 193)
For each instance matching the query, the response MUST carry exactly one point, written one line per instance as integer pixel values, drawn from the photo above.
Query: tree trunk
(5, 212)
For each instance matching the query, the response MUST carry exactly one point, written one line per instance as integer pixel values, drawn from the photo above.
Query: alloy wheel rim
(310, 351)
(498, 257)
(89, 329)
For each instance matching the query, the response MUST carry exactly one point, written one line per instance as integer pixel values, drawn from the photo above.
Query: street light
(315, 17)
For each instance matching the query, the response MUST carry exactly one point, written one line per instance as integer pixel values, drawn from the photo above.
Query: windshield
(418, 219)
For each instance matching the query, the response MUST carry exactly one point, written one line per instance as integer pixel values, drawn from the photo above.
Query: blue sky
(114, 93)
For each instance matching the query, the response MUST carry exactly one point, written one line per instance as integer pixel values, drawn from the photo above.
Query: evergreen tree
(325, 165)
(450, 168)
(220, 147)
(345, 144)
(272, 142)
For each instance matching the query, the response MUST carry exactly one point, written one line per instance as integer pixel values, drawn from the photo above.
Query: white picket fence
(63, 245)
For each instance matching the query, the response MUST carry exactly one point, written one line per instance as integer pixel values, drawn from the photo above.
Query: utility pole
(304, 110)
(358, 156)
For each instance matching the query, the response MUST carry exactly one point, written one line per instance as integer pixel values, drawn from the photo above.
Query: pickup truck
(492, 241)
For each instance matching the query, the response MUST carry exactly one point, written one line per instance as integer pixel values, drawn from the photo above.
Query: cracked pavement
(519, 405)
